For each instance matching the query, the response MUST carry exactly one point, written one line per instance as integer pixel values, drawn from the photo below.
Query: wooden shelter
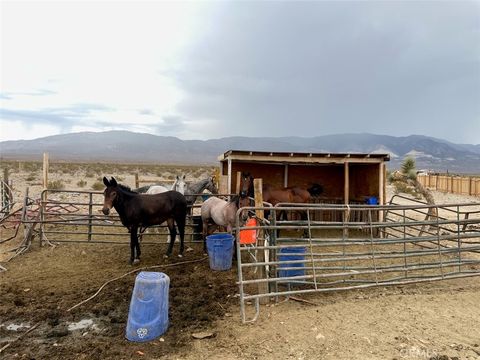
(346, 178)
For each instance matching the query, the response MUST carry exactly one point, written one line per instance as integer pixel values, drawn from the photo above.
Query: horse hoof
(166, 256)
(135, 262)
(180, 256)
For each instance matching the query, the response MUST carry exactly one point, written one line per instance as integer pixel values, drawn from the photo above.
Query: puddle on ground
(81, 325)
(16, 327)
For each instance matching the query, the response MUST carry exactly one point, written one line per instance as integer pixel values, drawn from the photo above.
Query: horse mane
(235, 199)
(126, 189)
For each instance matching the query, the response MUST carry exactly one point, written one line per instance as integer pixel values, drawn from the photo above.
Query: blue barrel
(220, 251)
(148, 314)
(288, 254)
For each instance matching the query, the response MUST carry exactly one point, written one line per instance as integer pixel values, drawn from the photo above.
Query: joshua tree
(405, 180)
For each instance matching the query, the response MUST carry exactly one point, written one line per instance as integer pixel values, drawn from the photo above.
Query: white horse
(178, 185)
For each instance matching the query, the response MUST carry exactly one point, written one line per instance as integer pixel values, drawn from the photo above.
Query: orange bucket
(249, 236)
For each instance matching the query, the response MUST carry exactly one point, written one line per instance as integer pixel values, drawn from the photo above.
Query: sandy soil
(423, 321)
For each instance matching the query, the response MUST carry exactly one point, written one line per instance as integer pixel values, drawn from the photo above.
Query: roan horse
(221, 213)
(141, 211)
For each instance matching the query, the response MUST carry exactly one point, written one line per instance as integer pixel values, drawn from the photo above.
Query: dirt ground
(422, 321)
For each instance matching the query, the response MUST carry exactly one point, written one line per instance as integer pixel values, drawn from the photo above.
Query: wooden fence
(462, 185)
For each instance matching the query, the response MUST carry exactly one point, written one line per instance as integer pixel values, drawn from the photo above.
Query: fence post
(262, 274)
(90, 216)
(44, 197)
(136, 181)
(239, 180)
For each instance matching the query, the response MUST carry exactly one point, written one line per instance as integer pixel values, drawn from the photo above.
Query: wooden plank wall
(462, 185)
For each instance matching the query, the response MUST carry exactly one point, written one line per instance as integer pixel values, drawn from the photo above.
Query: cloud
(146, 112)
(312, 68)
(200, 70)
(60, 119)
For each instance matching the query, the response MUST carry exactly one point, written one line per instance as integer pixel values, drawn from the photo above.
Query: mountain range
(124, 146)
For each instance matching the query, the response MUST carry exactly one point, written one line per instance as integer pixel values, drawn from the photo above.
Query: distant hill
(117, 146)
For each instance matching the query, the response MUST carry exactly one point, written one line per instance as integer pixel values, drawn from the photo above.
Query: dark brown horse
(139, 211)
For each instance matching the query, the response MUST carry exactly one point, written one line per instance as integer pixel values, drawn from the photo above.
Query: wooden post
(381, 183)
(346, 188)
(44, 197)
(6, 195)
(216, 176)
(261, 273)
(45, 171)
(137, 182)
(229, 174)
(285, 176)
(239, 179)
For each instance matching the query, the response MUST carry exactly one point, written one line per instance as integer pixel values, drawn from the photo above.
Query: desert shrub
(32, 166)
(98, 185)
(56, 185)
(31, 177)
(81, 183)
(89, 173)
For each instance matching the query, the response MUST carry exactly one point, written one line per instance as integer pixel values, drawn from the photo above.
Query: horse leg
(134, 245)
(204, 234)
(173, 235)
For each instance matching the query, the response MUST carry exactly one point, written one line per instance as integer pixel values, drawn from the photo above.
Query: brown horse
(138, 211)
(276, 195)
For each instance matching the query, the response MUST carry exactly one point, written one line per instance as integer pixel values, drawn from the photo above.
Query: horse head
(239, 203)
(246, 185)
(110, 194)
(179, 184)
(315, 189)
(210, 185)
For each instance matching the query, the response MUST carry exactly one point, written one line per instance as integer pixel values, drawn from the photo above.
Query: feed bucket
(372, 200)
(220, 251)
(148, 314)
(249, 236)
(289, 254)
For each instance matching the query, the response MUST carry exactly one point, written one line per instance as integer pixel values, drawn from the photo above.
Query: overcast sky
(202, 70)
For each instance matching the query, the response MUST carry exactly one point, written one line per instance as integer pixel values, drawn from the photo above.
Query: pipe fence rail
(76, 216)
(384, 245)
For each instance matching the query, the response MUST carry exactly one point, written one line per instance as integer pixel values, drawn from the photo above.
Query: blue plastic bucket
(220, 251)
(288, 254)
(372, 200)
(148, 314)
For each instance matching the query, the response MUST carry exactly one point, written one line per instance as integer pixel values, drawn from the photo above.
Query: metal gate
(340, 247)
(75, 216)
